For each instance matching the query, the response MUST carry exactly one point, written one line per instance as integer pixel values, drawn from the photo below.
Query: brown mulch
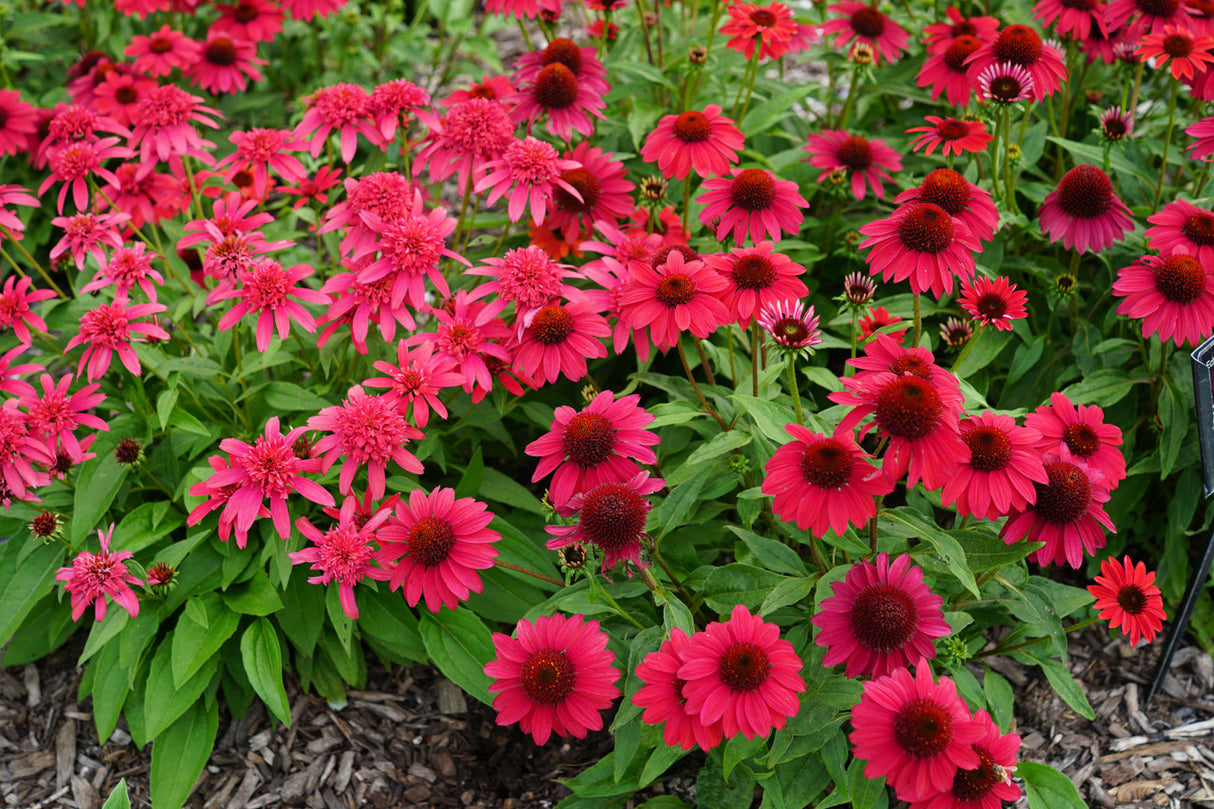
(413, 739)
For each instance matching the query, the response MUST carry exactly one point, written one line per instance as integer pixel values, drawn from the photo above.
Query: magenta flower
(260, 150)
(706, 141)
(1021, 46)
(1084, 212)
(73, 164)
(164, 125)
(529, 172)
(272, 292)
(19, 451)
(959, 198)
(946, 73)
(1000, 474)
(160, 53)
(603, 193)
(1182, 227)
(469, 335)
(526, 277)
(866, 161)
(569, 99)
(993, 302)
(367, 431)
(344, 553)
(55, 414)
(20, 121)
(112, 327)
(920, 243)
(410, 248)
(93, 576)
(85, 233)
(15, 311)
(758, 277)
(128, 267)
(438, 543)
(675, 296)
(1083, 431)
(559, 339)
(416, 380)
(753, 203)
(1172, 295)
(14, 195)
(342, 107)
(862, 21)
(463, 141)
(611, 516)
(662, 697)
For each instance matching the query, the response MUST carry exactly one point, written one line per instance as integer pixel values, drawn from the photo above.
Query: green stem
(695, 386)
(532, 573)
(34, 262)
(754, 359)
(851, 97)
(623, 613)
(918, 315)
(640, 6)
(1008, 188)
(708, 374)
(1000, 649)
(1167, 141)
(969, 346)
(792, 387)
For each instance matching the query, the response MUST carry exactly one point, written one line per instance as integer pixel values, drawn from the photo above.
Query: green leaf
(165, 403)
(1174, 417)
(501, 488)
(1046, 788)
(739, 749)
(787, 591)
(102, 632)
(1095, 156)
(910, 523)
(738, 584)
(460, 645)
(768, 416)
(118, 798)
(470, 482)
(715, 447)
(1025, 359)
(262, 660)
(343, 626)
(256, 596)
(383, 619)
(999, 698)
(303, 614)
(659, 761)
(23, 583)
(98, 485)
(671, 512)
(985, 551)
(866, 793)
(769, 112)
(180, 753)
(774, 555)
(1062, 682)
(195, 643)
(1105, 387)
(289, 397)
(111, 685)
(163, 702)
(627, 742)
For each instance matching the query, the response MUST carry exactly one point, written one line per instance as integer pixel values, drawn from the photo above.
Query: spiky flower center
(1180, 278)
(790, 331)
(675, 289)
(555, 87)
(663, 253)
(552, 325)
(923, 728)
(744, 667)
(1017, 44)
(1199, 228)
(1081, 439)
(1132, 599)
(588, 439)
(160, 44)
(908, 408)
(272, 466)
(692, 127)
(1085, 193)
(959, 50)
(430, 540)
(883, 618)
(344, 554)
(867, 22)
(990, 448)
(754, 272)
(563, 51)
(952, 129)
(991, 305)
(974, 785)
(107, 326)
(1067, 495)
(586, 184)
(548, 676)
(827, 464)
(221, 51)
(45, 524)
(1158, 8)
(911, 364)
(613, 516)
(369, 428)
(926, 228)
(1177, 45)
(753, 190)
(763, 17)
(855, 153)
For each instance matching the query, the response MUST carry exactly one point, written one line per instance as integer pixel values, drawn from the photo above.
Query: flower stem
(1008, 188)
(695, 386)
(532, 573)
(792, 387)
(918, 313)
(26, 255)
(708, 374)
(1167, 142)
(969, 346)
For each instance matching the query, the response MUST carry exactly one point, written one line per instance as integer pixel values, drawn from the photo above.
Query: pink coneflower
(866, 24)
(946, 72)
(529, 9)
(493, 88)
(227, 64)
(19, 451)
(358, 305)
(1115, 124)
(955, 332)
(559, 339)
(10, 375)
(342, 107)
(119, 94)
(252, 20)
(884, 354)
(753, 203)
(386, 194)
(470, 334)
(938, 35)
(921, 243)
(585, 448)
(1203, 131)
(313, 188)
(268, 468)
(1075, 17)
(569, 100)
(1182, 227)
(55, 415)
(757, 277)
(1148, 16)
(530, 171)
(1189, 52)
(435, 544)
(160, 53)
(112, 327)
(1004, 83)
(146, 195)
(582, 61)
(742, 674)
(989, 784)
(611, 516)
(274, 293)
(368, 431)
(14, 195)
(15, 311)
(1004, 464)
(1127, 597)
(410, 248)
(344, 553)
(605, 194)
(914, 731)
(881, 618)
(526, 277)
(876, 319)
(416, 380)
(864, 160)
(1084, 212)
(706, 141)
(959, 198)
(391, 105)
(1067, 515)
(662, 697)
(556, 676)
(472, 133)
(919, 418)
(678, 295)
(260, 150)
(163, 125)
(771, 26)
(1083, 431)
(993, 302)
(1172, 295)
(93, 576)
(74, 164)
(1021, 46)
(790, 324)
(952, 135)
(823, 482)
(18, 122)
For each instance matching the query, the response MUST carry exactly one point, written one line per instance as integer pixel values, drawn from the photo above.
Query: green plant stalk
(708, 374)
(918, 315)
(623, 613)
(640, 7)
(754, 359)
(532, 573)
(752, 68)
(1132, 107)
(526, 36)
(26, 255)
(841, 123)
(750, 87)
(969, 346)
(1167, 141)
(696, 387)
(995, 193)
(792, 387)
(999, 650)
(1008, 187)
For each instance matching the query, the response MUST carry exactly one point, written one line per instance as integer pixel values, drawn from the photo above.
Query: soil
(412, 739)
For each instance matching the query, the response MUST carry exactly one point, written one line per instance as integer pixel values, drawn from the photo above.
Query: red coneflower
(1182, 227)
(74, 164)
(343, 107)
(864, 160)
(1083, 431)
(257, 151)
(752, 203)
(1021, 46)
(529, 171)
(569, 102)
(946, 73)
(93, 576)
(921, 243)
(1172, 295)
(606, 196)
(706, 141)
(791, 324)
(938, 35)
(556, 676)
(825, 483)
(559, 339)
(1189, 53)
(866, 24)
(742, 674)
(1116, 124)
(661, 695)
(1127, 597)
(1079, 18)
(163, 125)
(989, 784)
(1004, 464)
(130, 265)
(252, 20)
(675, 296)
(952, 135)
(772, 26)
(85, 233)
(611, 516)
(344, 553)
(1149, 16)
(163, 51)
(757, 277)
(1004, 83)
(368, 431)
(880, 618)
(875, 319)
(1084, 212)
(1203, 131)
(472, 133)
(227, 64)
(993, 302)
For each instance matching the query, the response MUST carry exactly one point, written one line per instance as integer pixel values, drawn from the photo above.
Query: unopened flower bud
(697, 55)
(129, 452)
